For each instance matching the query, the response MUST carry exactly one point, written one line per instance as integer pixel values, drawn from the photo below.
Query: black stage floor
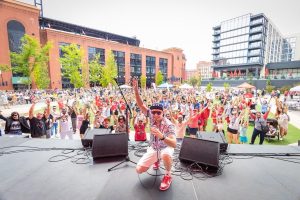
(29, 175)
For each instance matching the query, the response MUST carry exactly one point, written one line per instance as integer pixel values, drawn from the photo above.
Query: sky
(161, 24)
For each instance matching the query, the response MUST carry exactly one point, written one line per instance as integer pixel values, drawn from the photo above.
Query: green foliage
(32, 62)
(209, 87)
(159, 78)
(269, 86)
(226, 86)
(72, 63)
(109, 71)
(5, 68)
(95, 69)
(193, 81)
(199, 81)
(143, 81)
(250, 78)
(285, 88)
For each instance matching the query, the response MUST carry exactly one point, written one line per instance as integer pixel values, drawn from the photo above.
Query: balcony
(217, 33)
(215, 46)
(256, 22)
(217, 39)
(254, 46)
(252, 39)
(256, 30)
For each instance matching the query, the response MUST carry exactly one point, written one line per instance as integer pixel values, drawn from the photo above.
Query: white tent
(185, 86)
(165, 85)
(125, 86)
(295, 89)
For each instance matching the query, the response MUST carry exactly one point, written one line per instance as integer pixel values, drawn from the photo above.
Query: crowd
(189, 110)
(171, 114)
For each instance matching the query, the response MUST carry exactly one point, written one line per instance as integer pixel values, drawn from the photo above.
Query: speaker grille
(200, 151)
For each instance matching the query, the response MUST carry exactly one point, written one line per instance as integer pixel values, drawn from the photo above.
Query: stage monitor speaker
(87, 140)
(213, 136)
(200, 151)
(110, 145)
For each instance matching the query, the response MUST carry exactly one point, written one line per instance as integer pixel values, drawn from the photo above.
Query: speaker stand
(127, 159)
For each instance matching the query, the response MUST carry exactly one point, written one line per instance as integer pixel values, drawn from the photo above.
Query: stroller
(273, 129)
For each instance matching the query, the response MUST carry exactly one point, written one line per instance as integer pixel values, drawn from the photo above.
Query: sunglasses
(15, 115)
(156, 112)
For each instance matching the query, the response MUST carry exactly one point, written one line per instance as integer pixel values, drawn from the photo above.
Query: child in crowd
(243, 131)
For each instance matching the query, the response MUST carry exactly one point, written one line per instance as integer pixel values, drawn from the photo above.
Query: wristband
(164, 137)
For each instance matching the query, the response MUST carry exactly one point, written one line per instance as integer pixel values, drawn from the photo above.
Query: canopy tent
(295, 89)
(246, 86)
(165, 85)
(185, 86)
(125, 86)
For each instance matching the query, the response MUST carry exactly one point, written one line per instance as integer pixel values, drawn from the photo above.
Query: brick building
(17, 19)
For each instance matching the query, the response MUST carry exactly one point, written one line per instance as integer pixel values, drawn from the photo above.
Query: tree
(199, 81)
(193, 81)
(226, 86)
(269, 86)
(95, 69)
(159, 78)
(109, 72)
(32, 62)
(209, 87)
(72, 63)
(143, 81)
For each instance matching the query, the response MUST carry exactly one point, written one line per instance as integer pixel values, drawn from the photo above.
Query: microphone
(115, 79)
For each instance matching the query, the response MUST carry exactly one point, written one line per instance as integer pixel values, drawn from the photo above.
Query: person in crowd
(283, 122)
(233, 125)
(162, 140)
(121, 125)
(15, 124)
(180, 127)
(243, 131)
(84, 125)
(259, 121)
(106, 125)
(64, 122)
(73, 115)
(139, 124)
(38, 127)
(54, 127)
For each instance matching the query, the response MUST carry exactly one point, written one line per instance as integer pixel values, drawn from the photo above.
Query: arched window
(16, 31)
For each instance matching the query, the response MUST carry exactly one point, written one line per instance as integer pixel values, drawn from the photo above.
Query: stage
(30, 175)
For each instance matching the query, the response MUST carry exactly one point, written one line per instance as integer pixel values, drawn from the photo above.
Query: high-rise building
(246, 43)
(291, 48)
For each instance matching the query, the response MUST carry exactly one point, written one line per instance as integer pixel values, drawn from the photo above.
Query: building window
(135, 65)
(163, 67)
(15, 32)
(150, 69)
(93, 51)
(120, 60)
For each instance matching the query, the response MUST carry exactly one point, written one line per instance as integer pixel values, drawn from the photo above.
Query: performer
(162, 140)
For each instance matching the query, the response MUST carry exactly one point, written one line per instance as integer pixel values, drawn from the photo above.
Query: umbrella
(165, 85)
(295, 89)
(125, 86)
(235, 73)
(239, 74)
(246, 86)
(185, 86)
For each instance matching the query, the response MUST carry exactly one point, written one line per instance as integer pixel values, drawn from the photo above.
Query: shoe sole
(164, 189)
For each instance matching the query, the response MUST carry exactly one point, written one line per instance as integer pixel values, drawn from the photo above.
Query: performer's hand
(154, 131)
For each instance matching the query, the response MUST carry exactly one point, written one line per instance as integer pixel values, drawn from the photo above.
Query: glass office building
(245, 44)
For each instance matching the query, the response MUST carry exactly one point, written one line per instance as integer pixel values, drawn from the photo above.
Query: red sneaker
(156, 165)
(165, 183)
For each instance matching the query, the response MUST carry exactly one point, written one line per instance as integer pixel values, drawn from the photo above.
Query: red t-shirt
(140, 133)
(214, 117)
